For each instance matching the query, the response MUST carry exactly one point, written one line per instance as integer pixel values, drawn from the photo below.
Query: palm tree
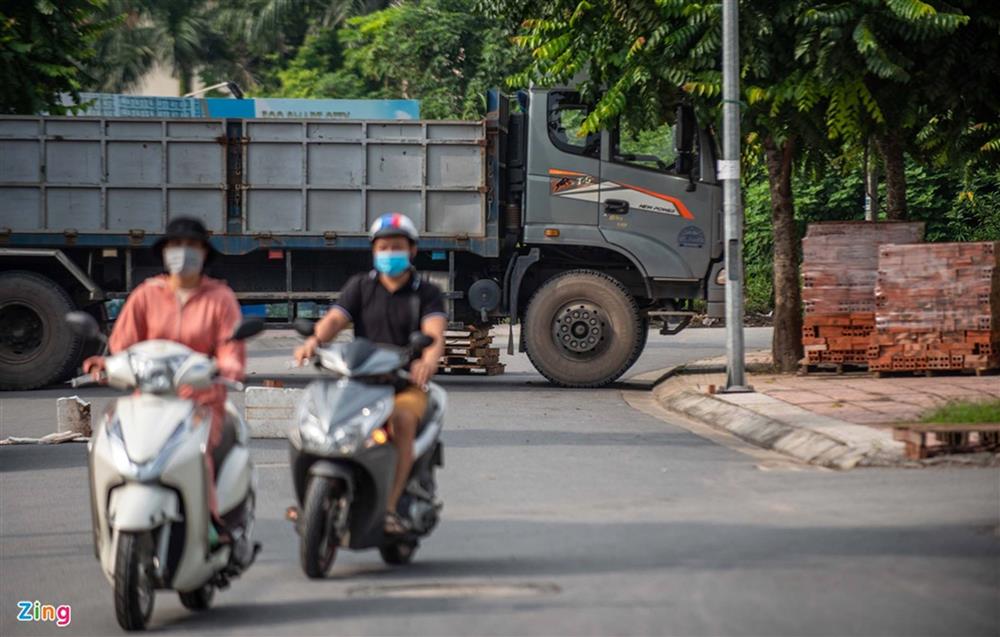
(171, 32)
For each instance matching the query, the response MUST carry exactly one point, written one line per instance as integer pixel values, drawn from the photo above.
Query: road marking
(767, 460)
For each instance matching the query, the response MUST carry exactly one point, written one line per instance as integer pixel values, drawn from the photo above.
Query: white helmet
(393, 224)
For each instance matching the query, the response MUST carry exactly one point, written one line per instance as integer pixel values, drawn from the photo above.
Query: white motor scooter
(148, 482)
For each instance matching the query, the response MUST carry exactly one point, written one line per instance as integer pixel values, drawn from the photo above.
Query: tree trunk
(786, 344)
(184, 80)
(895, 175)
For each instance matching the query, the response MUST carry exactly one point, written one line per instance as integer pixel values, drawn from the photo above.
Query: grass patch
(958, 413)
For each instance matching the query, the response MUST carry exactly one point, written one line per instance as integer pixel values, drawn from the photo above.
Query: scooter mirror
(303, 326)
(250, 326)
(419, 342)
(83, 325)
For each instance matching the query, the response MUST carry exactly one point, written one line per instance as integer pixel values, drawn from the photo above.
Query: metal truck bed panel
(301, 177)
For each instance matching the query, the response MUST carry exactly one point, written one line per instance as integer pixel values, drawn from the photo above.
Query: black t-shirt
(389, 317)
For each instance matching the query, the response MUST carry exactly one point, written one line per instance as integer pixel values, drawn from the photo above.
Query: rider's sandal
(394, 524)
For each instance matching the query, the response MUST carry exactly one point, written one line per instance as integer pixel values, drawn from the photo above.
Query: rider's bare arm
(434, 326)
(325, 331)
(332, 323)
(422, 370)
(230, 356)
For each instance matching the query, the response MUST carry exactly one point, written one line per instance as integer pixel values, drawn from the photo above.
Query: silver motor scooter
(343, 465)
(149, 498)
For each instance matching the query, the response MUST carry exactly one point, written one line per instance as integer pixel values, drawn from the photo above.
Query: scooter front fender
(333, 471)
(142, 507)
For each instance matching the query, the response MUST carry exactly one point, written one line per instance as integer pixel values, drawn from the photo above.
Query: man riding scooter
(194, 310)
(386, 305)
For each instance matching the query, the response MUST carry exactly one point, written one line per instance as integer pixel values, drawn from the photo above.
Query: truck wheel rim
(21, 332)
(579, 329)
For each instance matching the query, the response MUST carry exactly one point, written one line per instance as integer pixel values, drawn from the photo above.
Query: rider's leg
(214, 438)
(411, 404)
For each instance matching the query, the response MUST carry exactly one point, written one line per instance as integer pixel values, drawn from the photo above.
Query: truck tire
(36, 347)
(583, 329)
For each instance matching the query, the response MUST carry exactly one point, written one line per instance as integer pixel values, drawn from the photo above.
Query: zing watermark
(36, 611)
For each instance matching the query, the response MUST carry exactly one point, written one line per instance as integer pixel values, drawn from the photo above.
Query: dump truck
(579, 239)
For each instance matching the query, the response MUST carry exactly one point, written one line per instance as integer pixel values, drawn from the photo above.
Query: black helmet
(186, 228)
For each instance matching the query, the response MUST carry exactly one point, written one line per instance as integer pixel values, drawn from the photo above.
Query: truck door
(563, 166)
(662, 218)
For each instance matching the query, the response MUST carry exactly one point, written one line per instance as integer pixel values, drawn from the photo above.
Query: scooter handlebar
(86, 380)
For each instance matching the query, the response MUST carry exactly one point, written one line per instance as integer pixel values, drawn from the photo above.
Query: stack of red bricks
(937, 307)
(839, 268)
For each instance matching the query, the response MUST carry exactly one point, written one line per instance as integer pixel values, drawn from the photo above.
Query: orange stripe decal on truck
(681, 208)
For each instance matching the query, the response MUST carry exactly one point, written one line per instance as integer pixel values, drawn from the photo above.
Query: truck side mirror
(684, 130)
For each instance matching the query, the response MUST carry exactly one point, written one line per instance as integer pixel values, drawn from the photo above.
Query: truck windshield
(651, 148)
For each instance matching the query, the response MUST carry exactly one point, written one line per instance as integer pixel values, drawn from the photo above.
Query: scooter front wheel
(200, 599)
(398, 553)
(318, 546)
(133, 582)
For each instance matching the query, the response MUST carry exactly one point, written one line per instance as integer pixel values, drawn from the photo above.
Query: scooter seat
(226, 444)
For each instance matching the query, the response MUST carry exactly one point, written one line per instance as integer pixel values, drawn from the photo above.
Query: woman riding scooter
(194, 310)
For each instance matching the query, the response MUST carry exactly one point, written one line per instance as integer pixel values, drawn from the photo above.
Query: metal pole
(729, 172)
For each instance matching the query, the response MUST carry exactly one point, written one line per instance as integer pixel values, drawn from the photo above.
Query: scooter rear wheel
(133, 583)
(318, 546)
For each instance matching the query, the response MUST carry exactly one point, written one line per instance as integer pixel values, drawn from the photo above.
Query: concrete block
(73, 416)
(269, 411)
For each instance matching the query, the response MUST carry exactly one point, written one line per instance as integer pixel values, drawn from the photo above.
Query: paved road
(566, 512)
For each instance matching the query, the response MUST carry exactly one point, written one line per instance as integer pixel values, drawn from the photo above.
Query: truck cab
(612, 214)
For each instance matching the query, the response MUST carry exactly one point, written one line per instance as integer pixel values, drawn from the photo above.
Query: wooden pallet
(827, 368)
(924, 440)
(954, 371)
(468, 351)
(467, 343)
(486, 359)
(473, 370)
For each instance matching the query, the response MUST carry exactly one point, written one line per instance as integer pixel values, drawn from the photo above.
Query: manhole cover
(454, 590)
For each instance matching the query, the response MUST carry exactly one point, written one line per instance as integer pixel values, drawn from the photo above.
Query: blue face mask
(392, 262)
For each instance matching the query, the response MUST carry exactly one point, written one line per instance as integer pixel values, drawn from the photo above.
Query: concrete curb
(774, 424)
(269, 411)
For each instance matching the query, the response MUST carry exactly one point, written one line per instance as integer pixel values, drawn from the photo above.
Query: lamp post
(729, 173)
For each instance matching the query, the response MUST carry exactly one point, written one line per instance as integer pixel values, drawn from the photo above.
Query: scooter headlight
(343, 437)
(312, 431)
(347, 437)
(147, 471)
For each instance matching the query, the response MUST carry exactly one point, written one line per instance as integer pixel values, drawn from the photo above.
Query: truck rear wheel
(36, 348)
(583, 329)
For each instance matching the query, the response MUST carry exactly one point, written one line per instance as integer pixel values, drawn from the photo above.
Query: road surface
(566, 512)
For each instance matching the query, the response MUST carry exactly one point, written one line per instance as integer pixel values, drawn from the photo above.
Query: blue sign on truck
(114, 105)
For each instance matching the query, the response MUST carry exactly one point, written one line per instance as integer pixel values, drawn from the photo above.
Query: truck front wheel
(583, 329)
(36, 348)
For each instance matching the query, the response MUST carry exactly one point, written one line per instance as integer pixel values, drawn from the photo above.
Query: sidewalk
(835, 421)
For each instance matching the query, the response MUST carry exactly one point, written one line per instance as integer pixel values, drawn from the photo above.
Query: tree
(896, 67)
(44, 46)
(642, 57)
(174, 33)
(438, 51)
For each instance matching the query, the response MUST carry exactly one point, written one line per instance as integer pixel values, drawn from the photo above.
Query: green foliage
(43, 47)
(959, 413)
(437, 51)
(953, 209)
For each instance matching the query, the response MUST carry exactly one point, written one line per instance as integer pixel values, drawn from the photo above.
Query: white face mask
(183, 259)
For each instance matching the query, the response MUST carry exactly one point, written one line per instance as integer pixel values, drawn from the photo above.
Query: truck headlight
(720, 278)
